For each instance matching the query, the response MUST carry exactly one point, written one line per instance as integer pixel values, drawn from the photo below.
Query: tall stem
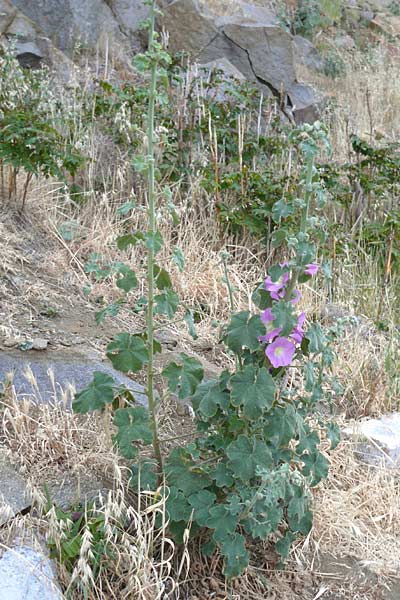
(152, 227)
(303, 224)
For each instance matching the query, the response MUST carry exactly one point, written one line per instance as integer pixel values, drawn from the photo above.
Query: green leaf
(243, 332)
(283, 545)
(333, 434)
(167, 303)
(261, 298)
(128, 281)
(180, 471)
(316, 465)
(184, 377)
(127, 353)
(154, 241)
(130, 239)
(133, 426)
(316, 337)
(236, 556)
(144, 476)
(222, 521)
(278, 237)
(140, 163)
(208, 548)
(245, 455)
(281, 210)
(254, 389)
(177, 506)
(162, 279)
(178, 258)
(208, 397)
(201, 502)
(284, 316)
(111, 310)
(126, 208)
(96, 395)
(280, 427)
(223, 477)
(189, 320)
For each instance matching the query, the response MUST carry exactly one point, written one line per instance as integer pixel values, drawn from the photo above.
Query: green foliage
(74, 525)
(334, 65)
(32, 139)
(96, 395)
(185, 377)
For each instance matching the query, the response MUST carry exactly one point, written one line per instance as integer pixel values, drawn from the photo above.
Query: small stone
(378, 439)
(11, 342)
(27, 574)
(14, 494)
(39, 344)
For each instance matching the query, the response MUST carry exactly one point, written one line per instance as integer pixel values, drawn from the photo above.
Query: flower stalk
(152, 229)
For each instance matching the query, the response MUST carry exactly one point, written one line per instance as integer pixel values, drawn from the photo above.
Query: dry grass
(48, 442)
(357, 512)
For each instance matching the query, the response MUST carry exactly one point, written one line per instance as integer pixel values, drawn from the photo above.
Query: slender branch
(152, 227)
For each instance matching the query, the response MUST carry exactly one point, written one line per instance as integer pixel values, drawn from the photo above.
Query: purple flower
(296, 297)
(270, 335)
(298, 333)
(280, 352)
(311, 269)
(267, 317)
(275, 288)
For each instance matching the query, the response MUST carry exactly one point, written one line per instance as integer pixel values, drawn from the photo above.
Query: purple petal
(280, 352)
(311, 269)
(270, 335)
(297, 296)
(267, 316)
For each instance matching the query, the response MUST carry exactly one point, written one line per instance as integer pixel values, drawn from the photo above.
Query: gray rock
(306, 54)
(252, 40)
(88, 23)
(14, 494)
(70, 489)
(69, 367)
(27, 574)
(345, 41)
(39, 344)
(378, 439)
(32, 47)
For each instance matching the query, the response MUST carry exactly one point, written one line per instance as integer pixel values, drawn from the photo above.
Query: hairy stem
(303, 223)
(150, 255)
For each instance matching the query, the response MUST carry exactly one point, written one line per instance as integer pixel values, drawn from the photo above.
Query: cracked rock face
(68, 22)
(253, 41)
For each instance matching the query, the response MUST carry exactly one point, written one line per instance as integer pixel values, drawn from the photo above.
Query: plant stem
(150, 254)
(303, 223)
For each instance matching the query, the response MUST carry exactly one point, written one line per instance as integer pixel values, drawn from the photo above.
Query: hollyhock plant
(280, 352)
(311, 269)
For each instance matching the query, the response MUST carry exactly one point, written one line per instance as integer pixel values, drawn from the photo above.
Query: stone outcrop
(32, 47)
(68, 23)
(253, 41)
(251, 38)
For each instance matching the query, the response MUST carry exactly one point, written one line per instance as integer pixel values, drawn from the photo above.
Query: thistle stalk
(152, 228)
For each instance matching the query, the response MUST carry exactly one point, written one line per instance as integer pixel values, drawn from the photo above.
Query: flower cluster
(280, 350)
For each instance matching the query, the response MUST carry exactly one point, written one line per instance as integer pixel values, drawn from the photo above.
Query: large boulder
(253, 40)
(32, 47)
(70, 22)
